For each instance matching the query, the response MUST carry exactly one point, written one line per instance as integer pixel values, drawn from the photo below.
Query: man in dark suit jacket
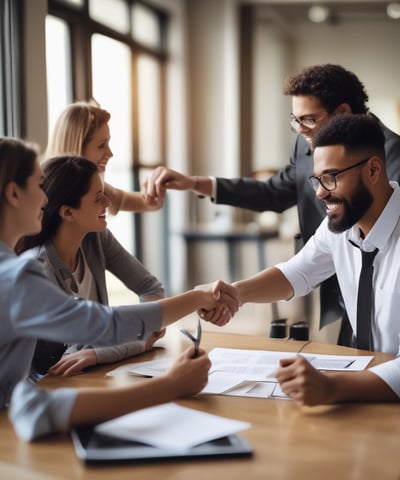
(317, 92)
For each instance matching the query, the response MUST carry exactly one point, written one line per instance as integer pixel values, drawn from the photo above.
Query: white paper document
(250, 373)
(171, 426)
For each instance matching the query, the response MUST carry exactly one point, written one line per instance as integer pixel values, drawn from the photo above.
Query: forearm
(179, 306)
(362, 386)
(120, 401)
(119, 352)
(270, 285)
(201, 185)
(126, 201)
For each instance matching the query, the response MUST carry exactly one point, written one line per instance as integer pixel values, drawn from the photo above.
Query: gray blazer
(102, 252)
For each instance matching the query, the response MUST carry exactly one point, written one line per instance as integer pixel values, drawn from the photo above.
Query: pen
(302, 347)
(195, 340)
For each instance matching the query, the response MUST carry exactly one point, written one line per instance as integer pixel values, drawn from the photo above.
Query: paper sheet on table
(251, 372)
(260, 364)
(152, 368)
(171, 426)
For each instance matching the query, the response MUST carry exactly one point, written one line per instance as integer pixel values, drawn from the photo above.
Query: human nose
(109, 152)
(106, 201)
(320, 191)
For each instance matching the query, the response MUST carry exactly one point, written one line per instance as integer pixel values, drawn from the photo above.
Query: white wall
(369, 49)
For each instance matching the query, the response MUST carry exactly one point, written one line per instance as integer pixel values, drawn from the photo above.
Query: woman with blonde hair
(82, 129)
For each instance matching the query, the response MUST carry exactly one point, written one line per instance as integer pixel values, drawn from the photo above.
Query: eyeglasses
(306, 122)
(328, 180)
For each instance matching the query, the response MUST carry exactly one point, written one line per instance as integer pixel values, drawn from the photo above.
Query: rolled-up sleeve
(36, 412)
(389, 372)
(311, 266)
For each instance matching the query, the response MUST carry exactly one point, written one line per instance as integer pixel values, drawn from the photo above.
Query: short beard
(360, 202)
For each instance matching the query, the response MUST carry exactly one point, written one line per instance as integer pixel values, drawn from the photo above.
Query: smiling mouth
(332, 206)
(102, 165)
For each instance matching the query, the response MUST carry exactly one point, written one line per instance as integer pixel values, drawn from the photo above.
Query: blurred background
(195, 85)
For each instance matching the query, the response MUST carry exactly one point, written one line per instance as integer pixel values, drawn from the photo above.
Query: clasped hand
(227, 303)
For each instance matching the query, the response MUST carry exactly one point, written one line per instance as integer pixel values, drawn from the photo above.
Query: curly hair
(331, 84)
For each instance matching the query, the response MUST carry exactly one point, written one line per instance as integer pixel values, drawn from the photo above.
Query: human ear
(12, 194)
(374, 168)
(66, 213)
(342, 108)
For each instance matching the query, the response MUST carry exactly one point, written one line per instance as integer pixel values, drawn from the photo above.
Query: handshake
(223, 304)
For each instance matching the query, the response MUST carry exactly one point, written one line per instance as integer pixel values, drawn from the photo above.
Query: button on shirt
(327, 253)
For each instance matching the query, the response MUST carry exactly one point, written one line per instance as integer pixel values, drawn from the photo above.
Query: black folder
(95, 448)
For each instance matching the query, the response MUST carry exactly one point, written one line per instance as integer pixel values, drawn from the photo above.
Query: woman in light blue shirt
(33, 307)
(76, 249)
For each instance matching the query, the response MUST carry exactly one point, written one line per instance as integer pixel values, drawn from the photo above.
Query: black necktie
(364, 301)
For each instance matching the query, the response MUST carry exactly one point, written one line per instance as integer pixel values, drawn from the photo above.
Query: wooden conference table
(352, 441)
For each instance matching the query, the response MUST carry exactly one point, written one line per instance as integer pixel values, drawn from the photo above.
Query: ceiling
(291, 13)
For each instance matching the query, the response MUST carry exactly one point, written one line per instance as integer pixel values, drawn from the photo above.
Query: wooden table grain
(347, 441)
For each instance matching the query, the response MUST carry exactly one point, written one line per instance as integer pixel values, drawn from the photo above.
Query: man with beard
(362, 215)
(318, 93)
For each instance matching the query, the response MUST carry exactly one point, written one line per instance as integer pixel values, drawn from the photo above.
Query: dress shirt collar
(383, 227)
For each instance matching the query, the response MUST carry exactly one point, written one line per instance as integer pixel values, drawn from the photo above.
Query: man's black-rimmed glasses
(328, 180)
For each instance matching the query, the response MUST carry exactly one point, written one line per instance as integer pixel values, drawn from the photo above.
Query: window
(113, 51)
(58, 67)
(145, 27)
(114, 14)
(111, 84)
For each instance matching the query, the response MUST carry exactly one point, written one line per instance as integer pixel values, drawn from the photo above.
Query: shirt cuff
(389, 372)
(213, 197)
(36, 412)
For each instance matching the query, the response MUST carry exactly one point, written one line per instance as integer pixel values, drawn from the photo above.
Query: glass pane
(149, 110)
(58, 66)
(111, 71)
(145, 26)
(113, 13)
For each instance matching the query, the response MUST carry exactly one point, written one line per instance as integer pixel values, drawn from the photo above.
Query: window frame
(11, 90)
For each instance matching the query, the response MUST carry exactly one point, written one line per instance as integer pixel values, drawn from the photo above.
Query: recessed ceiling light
(393, 10)
(318, 13)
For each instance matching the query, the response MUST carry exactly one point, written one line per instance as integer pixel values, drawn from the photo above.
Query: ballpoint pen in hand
(195, 340)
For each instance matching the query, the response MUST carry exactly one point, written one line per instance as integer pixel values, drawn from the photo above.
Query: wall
(35, 72)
